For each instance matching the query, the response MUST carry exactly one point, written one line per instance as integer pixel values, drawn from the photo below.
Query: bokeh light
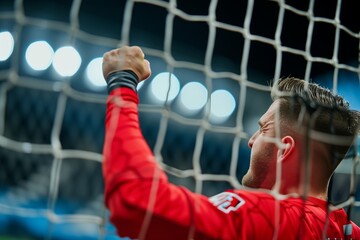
(165, 87)
(193, 97)
(66, 61)
(222, 105)
(39, 55)
(94, 73)
(6, 45)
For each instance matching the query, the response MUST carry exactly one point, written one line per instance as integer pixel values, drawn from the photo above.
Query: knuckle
(137, 50)
(118, 51)
(106, 55)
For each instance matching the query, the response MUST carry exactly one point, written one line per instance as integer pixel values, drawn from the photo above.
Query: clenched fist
(126, 58)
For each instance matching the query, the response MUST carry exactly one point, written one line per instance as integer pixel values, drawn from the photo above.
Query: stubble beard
(256, 176)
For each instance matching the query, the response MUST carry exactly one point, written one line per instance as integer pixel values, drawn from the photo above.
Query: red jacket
(144, 205)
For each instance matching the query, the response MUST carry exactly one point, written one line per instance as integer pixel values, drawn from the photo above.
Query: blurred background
(213, 63)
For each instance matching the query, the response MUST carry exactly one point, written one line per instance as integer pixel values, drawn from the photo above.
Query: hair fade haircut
(312, 106)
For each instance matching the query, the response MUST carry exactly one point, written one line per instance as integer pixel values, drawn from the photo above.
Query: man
(288, 158)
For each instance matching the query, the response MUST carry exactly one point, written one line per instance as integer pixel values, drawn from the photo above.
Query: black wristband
(123, 78)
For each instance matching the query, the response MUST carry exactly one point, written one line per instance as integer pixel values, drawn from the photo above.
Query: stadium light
(94, 73)
(39, 55)
(222, 106)
(164, 90)
(6, 45)
(193, 97)
(66, 61)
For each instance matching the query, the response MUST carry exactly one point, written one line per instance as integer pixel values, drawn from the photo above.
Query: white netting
(51, 127)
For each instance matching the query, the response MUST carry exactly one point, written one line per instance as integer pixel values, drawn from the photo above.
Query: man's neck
(320, 192)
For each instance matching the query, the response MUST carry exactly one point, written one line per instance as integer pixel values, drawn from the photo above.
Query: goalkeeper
(144, 205)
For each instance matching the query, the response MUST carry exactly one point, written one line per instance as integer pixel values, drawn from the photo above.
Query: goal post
(213, 63)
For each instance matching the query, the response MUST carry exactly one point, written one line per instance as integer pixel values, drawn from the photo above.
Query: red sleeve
(143, 204)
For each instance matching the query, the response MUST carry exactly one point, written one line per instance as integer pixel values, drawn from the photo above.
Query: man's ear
(289, 143)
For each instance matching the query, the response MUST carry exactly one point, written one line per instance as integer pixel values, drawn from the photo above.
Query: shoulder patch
(227, 201)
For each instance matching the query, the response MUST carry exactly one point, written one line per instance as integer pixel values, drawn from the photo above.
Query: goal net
(213, 63)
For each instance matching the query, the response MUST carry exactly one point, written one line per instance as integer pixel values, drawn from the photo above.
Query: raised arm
(143, 204)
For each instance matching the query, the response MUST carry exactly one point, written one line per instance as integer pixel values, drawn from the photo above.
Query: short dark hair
(329, 113)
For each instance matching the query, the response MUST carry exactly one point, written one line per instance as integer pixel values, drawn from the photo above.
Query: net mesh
(51, 127)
